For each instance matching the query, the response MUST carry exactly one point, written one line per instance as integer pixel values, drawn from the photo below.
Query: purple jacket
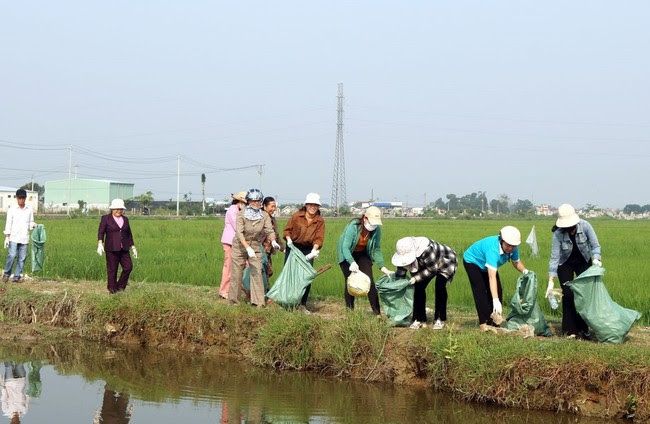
(114, 237)
(230, 225)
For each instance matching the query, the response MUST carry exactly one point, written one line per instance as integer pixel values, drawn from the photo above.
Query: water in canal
(93, 383)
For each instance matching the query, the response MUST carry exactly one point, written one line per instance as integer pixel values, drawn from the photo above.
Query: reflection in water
(168, 386)
(14, 397)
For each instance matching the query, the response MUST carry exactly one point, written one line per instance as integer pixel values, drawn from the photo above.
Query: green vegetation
(188, 251)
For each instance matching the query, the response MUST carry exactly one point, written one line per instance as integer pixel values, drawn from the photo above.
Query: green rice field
(188, 251)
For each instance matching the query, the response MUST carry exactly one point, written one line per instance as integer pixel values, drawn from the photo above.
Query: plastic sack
(608, 321)
(38, 247)
(290, 285)
(358, 284)
(397, 299)
(525, 309)
(246, 276)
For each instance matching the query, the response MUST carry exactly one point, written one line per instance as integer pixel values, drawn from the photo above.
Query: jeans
(19, 251)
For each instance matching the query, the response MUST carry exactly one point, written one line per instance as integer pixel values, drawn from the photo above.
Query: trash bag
(290, 285)
(397, 298)
(246, 276)
(525, 309)
(608, 321)
(38, 247)
(358, 284)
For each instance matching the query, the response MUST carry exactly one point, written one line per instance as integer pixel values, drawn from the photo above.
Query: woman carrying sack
(358, 248)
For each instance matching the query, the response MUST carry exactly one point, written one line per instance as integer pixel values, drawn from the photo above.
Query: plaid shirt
(436, 259)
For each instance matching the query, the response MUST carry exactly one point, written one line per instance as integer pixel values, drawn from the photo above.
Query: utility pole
(260, 171)
(178, 183)
(338, 178)
(203, 192)
(69, 177)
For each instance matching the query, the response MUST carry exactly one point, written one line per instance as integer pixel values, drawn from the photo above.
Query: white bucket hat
(566, 216)
(117, 204)
(510, 235)
(312, 198)
(404, 252)
(374, 215)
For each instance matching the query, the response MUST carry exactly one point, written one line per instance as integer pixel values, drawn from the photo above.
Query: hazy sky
(547, 101)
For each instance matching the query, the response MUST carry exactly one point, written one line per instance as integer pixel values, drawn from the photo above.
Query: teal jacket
(350, 238)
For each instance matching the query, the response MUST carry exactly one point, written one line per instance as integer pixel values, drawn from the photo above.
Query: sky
(545, 101)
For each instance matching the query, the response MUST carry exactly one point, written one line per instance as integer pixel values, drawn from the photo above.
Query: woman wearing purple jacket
(115, 238)
(238, 203)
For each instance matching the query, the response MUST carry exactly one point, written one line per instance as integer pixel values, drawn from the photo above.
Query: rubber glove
(312, 255)
(386, 271)
(6, 245)
(289, 242)
(275, 245)
(354, 267)
(32, 225)
(100, 248)
(525, 271)
(135, 252)
(549, 287)
(412, 281)
(496, 306)
(250, 251)
(597, 262)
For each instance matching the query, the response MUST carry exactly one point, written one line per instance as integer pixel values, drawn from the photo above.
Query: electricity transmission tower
(338, 179)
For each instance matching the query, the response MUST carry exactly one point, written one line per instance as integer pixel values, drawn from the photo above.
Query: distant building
(8, 198)
(97, 194)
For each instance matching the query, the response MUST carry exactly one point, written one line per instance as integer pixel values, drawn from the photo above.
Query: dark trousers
(365, 265)
(572, 322)
(305, 250)
(480, 283)
(420, 299)
(113, 259)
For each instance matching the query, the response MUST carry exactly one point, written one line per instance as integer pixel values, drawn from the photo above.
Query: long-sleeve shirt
(432, 258)
(253, 231)
(562, 246)
(302, 233)
(229, 226)
(19, 222)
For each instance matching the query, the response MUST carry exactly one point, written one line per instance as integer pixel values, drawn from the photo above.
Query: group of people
(251, 232)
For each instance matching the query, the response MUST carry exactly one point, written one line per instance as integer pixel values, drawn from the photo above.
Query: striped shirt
(436, 259)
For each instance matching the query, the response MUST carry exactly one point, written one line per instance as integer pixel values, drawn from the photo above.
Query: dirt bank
(554, 374)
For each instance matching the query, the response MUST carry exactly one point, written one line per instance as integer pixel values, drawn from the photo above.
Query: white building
(8, 199)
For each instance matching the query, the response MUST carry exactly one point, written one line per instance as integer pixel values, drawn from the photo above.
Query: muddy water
(91, 383)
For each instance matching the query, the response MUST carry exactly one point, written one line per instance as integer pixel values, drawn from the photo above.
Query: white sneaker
(415, 325)
(438, 325)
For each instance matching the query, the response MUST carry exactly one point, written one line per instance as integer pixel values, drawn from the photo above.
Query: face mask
(369, 226)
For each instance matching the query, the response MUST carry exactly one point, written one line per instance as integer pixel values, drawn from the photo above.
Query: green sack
(290, 285)
(525, 309)
(397, 298)
(608, 321)
(246, 276)
(38, 247)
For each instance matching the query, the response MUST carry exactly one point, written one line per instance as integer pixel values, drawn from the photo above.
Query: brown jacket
(253, 231)
(303, 234)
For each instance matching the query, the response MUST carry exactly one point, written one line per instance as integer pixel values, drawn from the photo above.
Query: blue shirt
(487, 253)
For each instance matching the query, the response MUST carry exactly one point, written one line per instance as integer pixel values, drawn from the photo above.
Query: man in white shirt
(19, 221)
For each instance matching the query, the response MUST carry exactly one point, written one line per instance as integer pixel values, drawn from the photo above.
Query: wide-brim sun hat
(510, 235)
(117, 204)
(566, 216)
(241, 196)
(373, 213)
(312, 198)
(404, 252)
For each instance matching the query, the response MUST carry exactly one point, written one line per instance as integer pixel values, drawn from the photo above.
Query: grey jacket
(561, 246)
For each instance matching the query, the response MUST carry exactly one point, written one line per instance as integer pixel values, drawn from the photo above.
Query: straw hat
(566, 216)
(241, 196)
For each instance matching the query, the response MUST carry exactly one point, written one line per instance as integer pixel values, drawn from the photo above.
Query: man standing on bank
(19, 221)
(115, 238)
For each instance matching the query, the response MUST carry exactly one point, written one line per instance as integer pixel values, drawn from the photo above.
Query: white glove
(289, 242)
(250, 251)
(412, 281)
(496, 306)
(275, 245)
(32, 225)
(312, 255)
(100, 249)
(525, 271)
(135, 252)
(354, 267)
(386, 271)
(549, 288)
(597, 262)
(6, 242)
